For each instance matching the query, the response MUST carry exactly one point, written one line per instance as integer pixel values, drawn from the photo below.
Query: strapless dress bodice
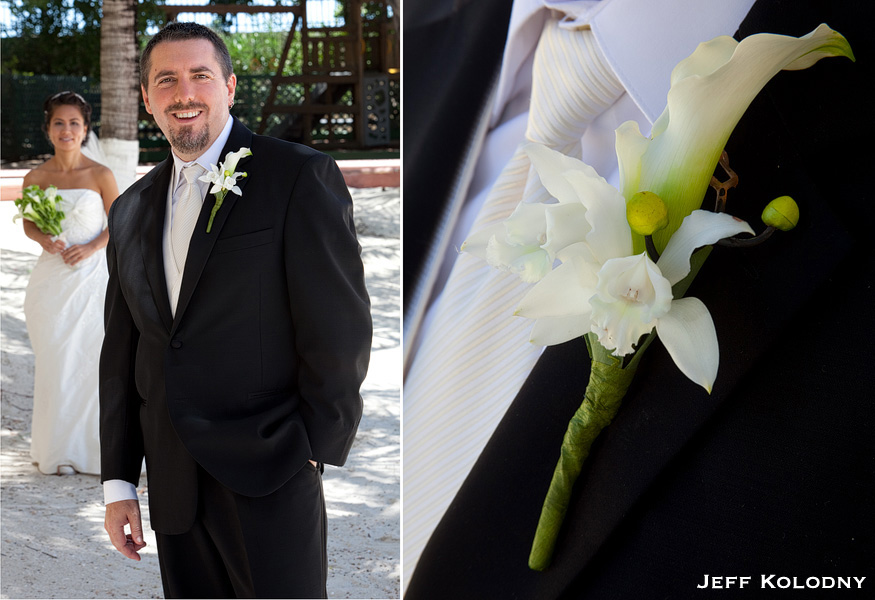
(84, 215)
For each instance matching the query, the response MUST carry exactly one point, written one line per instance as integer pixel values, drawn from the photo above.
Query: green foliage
(62, 37)
(378, 11)
(258, 53)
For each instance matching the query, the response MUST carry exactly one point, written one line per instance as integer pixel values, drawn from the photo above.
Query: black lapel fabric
(796, 139)
(452, 51)
(154, 199)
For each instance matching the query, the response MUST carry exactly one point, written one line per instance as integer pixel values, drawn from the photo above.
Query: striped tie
(188, 207)
(476, 355)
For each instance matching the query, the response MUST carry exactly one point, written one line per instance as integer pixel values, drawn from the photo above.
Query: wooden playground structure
(350, 77)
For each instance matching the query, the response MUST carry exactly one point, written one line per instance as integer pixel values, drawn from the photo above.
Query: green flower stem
(609, 379)
(220, 197)
(607, 386)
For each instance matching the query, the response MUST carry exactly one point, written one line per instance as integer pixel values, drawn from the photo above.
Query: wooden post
(307, 118)
(274, 83)
(358, 70)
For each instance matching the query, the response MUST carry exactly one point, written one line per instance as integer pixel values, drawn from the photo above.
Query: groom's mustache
(185, 107)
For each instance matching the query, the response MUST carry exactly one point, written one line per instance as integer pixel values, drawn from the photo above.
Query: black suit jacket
(261, 367)
(774, 472)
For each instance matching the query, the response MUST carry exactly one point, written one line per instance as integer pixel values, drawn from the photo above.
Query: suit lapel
(154, 200)
(202, 243)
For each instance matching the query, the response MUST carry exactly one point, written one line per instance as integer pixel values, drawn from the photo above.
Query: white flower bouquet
(41, 207)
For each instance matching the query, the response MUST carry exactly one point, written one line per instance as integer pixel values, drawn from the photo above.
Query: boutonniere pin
(613, 265)
(224, 178)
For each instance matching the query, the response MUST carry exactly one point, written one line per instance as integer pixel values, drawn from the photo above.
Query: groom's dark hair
(179, 32)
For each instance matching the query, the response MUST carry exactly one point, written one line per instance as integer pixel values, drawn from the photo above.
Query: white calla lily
(232, 158)
(710, 91)
(606, 283)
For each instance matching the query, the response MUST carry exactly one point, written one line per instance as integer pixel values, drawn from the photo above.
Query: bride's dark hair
(69, 98)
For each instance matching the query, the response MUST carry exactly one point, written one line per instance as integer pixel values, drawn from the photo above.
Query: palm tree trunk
(119, 89)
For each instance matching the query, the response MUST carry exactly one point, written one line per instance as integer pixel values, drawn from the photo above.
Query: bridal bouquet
(613, 265)
(41, 207)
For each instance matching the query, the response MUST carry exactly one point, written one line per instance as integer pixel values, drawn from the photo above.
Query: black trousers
(242, 547)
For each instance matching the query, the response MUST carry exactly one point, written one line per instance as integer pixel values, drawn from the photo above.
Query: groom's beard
(185, 139)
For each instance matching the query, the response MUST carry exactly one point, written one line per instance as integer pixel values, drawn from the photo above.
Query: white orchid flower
(601, 286)
(221, 181)
(526, 243)
(215, 177)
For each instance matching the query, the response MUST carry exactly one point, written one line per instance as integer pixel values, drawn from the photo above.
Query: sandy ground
(53, 543)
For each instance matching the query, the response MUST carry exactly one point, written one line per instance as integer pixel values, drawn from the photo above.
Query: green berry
(781, 213)
(646, 213)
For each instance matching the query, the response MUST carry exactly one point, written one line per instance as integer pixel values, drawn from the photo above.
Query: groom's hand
(119, 514)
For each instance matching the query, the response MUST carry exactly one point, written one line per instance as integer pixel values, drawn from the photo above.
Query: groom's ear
(146, 99)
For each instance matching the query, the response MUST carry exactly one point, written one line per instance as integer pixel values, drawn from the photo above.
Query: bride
(63, 305)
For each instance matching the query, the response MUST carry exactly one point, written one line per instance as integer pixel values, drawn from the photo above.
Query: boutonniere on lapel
(612, 265)
(224, 178)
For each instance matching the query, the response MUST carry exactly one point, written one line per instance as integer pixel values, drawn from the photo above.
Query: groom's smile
(187, 116)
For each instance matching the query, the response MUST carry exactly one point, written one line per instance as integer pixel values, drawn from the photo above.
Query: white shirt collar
(212, 156)
(642, 40)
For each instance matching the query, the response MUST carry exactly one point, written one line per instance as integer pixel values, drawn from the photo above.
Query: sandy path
(53, 543)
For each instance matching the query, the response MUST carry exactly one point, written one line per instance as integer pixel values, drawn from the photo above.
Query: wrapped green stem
(604, 393)
(220, 197)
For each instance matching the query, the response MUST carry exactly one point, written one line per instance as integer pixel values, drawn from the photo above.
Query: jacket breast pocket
(241, 242)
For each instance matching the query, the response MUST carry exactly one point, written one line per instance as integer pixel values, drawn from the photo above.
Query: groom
(234, 367)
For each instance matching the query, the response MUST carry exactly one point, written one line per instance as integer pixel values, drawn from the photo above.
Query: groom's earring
(230, 106)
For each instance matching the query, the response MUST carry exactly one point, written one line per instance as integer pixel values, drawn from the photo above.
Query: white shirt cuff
(115, 490)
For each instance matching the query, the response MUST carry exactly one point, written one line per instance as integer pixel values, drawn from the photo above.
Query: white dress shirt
(642, 42)
(119, 489)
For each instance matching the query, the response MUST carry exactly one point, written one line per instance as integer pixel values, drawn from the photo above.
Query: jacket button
(176, 344)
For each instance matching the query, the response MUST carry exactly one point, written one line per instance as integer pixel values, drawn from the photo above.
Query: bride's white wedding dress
(63, 307)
